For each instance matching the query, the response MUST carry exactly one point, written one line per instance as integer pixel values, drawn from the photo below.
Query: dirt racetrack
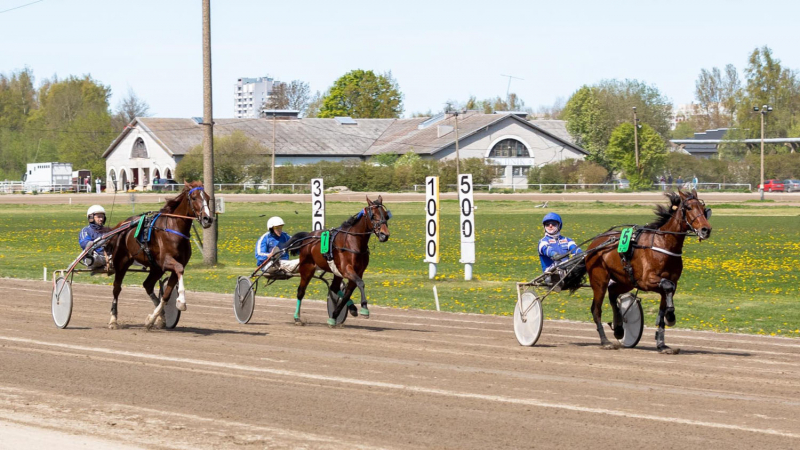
(401, 379)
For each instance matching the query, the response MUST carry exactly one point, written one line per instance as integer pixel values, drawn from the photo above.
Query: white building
(152, 147)
(249, 95)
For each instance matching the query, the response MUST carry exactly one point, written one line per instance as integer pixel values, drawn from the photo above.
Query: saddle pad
(625, 240)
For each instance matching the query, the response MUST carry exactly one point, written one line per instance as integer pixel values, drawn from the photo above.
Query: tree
(294, 95)
(652, 153)
(129, 108)
(716, 94)
(385, 159)
(236, 158)
(768, 83)
(314, 105)
(363, 94)
(684, 130)
(593, 112)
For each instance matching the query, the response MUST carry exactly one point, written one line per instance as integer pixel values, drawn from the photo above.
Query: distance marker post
(317, 204)
(432, 224)
(466, 204)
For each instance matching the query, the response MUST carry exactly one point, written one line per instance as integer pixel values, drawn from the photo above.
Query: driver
(268, 244)
(91, 233)
(553, 246)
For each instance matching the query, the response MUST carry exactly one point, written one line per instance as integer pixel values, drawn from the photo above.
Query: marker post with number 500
(317, 204)
(432, 224)
(467, 206)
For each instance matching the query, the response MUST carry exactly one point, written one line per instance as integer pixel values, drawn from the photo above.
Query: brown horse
(168, 248)
(656, 263)
(350, 246)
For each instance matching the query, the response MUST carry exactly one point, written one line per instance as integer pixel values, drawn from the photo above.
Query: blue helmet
(553, 216)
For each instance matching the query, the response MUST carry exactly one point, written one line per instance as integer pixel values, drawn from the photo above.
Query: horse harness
(145, 225)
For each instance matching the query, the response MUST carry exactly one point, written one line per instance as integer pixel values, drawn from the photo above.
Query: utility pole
(458, 169)
(272, 176)
(210, 233)
(508, 88)
(636, 140)
(764, 110)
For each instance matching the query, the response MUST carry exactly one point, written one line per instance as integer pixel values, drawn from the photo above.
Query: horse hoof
(299, 322)
(364, 312)
(610, 346)
(113, 326)
(181, 306)
(331, 323)
(160, 324)
(352, 310)
(619, 332)
(669, 350)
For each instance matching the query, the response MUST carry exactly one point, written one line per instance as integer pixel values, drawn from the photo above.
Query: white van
(48, 177)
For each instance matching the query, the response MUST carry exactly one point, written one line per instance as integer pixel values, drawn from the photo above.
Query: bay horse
(656, 263)
(350, 246)
(168, 249)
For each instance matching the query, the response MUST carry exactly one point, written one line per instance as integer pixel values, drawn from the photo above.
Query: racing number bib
(625, 240)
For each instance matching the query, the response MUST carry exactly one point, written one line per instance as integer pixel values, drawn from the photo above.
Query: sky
(437, 51)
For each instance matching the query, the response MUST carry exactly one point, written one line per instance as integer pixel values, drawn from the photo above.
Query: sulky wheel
(528, 319)
(630, 308)
(62, 302)
(243, 299)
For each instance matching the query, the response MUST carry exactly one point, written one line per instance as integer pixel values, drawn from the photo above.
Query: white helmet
(274, 222)
(94, 209)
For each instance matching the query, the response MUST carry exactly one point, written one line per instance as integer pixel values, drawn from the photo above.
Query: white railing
(597, 186)
(20, 187)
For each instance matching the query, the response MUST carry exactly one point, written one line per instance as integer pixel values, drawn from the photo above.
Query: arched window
(509, 148)
(139, 149)
(169, 174)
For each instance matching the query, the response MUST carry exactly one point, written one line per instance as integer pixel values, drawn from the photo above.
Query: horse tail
(295, 243)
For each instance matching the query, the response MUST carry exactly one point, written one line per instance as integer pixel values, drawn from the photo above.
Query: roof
(329, 137)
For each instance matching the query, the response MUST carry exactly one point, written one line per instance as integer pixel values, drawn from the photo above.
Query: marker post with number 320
(466, 204)
(317, 204)
(432, 224)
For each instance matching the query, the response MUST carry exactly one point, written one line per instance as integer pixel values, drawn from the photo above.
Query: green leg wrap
(297, 310)
(349, 303)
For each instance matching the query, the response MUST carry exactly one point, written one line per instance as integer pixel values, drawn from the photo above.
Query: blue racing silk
(267, 242)
(552, 246)
(90, 233)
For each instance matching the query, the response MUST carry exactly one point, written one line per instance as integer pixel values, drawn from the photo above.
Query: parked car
(791, 185)
(621, 183)
(167, 184)
(772, 186)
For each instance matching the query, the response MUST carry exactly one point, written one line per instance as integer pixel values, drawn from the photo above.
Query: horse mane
(294, 244)
(665, 213)
(174, 202)
(352, 220)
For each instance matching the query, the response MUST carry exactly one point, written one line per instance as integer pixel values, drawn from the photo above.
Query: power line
(21, 6)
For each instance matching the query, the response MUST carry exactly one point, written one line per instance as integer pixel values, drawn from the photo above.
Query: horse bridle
(191, 202)
(384, 218)
(685, 208)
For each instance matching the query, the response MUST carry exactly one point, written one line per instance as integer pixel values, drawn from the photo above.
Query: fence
(606, 187)
(20, 187)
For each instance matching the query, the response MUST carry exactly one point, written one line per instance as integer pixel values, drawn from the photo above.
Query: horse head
(695, 214)
(378, 216)
(198, 201)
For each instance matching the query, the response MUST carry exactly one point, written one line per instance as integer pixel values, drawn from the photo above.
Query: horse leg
(119, 275)
(177, 269)
(599, 287)
(306, 273)
(336, 288)
(354, 278)
(669, 290)
(149, 286)
(660, 323)
(614, 291)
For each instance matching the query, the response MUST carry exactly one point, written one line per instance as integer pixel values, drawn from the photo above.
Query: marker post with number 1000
(432, 224)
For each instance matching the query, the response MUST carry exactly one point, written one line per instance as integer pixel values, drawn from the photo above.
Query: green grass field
(744, 279)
